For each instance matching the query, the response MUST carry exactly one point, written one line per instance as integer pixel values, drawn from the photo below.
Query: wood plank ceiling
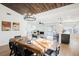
(33, 8)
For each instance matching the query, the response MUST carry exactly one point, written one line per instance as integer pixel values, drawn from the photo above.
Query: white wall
(14, 17)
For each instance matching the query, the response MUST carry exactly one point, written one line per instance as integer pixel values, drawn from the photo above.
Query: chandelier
(29, 17)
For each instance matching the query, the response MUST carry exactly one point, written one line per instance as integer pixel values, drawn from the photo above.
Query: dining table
(38, 46)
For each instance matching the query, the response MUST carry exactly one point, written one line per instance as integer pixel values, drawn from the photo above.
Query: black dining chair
(51, 52)
(20, 51)
(11, 44)
(28, 52)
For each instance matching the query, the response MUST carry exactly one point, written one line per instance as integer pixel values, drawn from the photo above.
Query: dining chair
(19, 51)
(11, 48)
(51, 52)
(28, 52)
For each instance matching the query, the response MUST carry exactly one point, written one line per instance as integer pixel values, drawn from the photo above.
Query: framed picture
(15, 26)
(6, 26)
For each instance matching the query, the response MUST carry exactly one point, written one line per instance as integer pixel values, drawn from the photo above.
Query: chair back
(20, 50)
(11, 45)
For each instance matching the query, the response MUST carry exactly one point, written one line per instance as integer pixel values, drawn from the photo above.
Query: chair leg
(10, 52)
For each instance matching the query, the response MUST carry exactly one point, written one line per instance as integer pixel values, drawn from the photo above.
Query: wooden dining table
(38, 46)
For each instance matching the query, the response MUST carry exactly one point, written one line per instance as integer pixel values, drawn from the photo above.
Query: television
(19, 36)
(41, 32)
